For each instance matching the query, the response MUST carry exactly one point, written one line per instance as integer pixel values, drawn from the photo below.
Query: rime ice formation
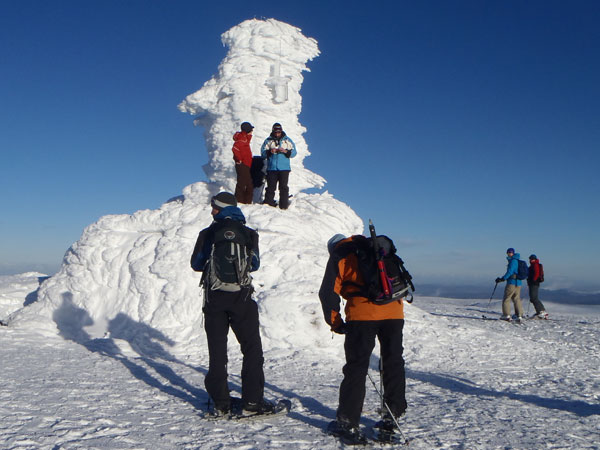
(130, 274)
(258, 81)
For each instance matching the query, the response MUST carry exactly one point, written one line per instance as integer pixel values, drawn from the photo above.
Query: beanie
(222, 200)
(510, 250)
(532, 256)
(247, 127)
(334, 240)
(277, 127)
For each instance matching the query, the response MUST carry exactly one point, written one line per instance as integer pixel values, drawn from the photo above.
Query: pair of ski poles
(383, 402)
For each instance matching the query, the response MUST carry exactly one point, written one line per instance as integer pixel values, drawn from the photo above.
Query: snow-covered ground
(471, 384)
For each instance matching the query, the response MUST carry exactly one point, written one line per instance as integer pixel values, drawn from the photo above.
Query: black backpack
(399, 280)
(228, 266)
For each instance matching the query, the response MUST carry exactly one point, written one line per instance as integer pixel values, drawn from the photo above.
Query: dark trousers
(244, 189)
(280, 177)
(238, 310)
(534, 297)
(359, 344)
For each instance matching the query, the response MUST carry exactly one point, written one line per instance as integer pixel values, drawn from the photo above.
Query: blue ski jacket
(281, 159)
(512, 269)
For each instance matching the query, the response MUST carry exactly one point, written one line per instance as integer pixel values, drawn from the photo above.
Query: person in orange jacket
(242, 155)
(364, 322)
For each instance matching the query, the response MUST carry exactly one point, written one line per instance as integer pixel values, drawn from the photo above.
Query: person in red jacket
(534, 279)
(242, 155)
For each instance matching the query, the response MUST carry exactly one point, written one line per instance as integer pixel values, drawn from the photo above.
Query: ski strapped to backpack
(385, 279)
(228, 267)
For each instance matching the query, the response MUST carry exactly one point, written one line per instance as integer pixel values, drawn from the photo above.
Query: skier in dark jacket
(224, 309)
(533, 282)
(278, 148)
(365, 321)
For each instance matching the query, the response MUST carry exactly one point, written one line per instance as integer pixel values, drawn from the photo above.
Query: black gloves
(499, 280)
(341, 329)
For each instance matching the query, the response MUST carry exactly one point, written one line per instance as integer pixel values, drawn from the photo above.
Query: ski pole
(493, 292)
(389, 410)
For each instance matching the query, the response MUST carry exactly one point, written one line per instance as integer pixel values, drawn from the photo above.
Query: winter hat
(510, 250)
(222, 200)
(277, 127)
(247, 127)
(334, 240)
(532, 256)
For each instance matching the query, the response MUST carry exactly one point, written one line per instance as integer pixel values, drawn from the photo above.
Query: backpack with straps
(522, 270)
(228, 266)
(541, 275)
(398, 277)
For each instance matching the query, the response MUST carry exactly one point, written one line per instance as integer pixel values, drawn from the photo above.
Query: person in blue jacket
(512, 291)
(277, 149)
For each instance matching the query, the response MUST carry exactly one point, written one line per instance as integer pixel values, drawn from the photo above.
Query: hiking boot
(262, 407)
(542, 315)
(349, 434)
(507, 318)
(220, 411)
(387, 423)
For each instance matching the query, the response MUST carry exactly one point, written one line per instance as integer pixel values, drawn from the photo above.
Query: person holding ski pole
(534, 278)
(364, 322)
(278, 148)
(512, 291)
(228, 303)
(242, 155)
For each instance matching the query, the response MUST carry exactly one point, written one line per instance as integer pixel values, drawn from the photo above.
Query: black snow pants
(281, 178)
(359, 344)
(238, 310)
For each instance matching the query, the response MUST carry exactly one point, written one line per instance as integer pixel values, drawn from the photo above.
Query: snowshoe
(346, 433)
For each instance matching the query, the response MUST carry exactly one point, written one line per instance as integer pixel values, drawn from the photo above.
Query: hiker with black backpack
(366, 319)
(512, 292)
(535, 277)
(277, 149)
(226, 252)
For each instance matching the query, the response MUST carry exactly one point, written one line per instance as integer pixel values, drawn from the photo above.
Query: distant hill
(476, 291)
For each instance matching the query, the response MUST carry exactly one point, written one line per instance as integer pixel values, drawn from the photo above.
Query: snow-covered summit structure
(259, 82)
(130, 275)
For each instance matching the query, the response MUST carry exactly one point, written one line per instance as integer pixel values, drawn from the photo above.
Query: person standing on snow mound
(512, 291)
(228, 303)
(242, 155)
(278, 148)
(534, 278)
(364, 321)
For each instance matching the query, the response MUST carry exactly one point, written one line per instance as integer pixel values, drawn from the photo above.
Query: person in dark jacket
(365, 321)
(278, 148)
(512, 291)
(242, 155)
(533, 282)
(224, 309)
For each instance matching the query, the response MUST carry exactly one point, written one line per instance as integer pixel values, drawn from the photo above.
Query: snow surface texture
(258, 82)
(471, 384)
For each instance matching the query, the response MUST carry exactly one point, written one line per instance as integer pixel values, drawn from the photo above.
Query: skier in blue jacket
(512, 291)
(278, 148)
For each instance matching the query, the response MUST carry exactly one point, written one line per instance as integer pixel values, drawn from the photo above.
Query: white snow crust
(243, 91)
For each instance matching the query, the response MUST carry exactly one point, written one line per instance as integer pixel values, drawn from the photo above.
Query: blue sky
(472, 126)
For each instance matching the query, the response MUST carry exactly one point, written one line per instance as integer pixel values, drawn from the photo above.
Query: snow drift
(137, 265)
